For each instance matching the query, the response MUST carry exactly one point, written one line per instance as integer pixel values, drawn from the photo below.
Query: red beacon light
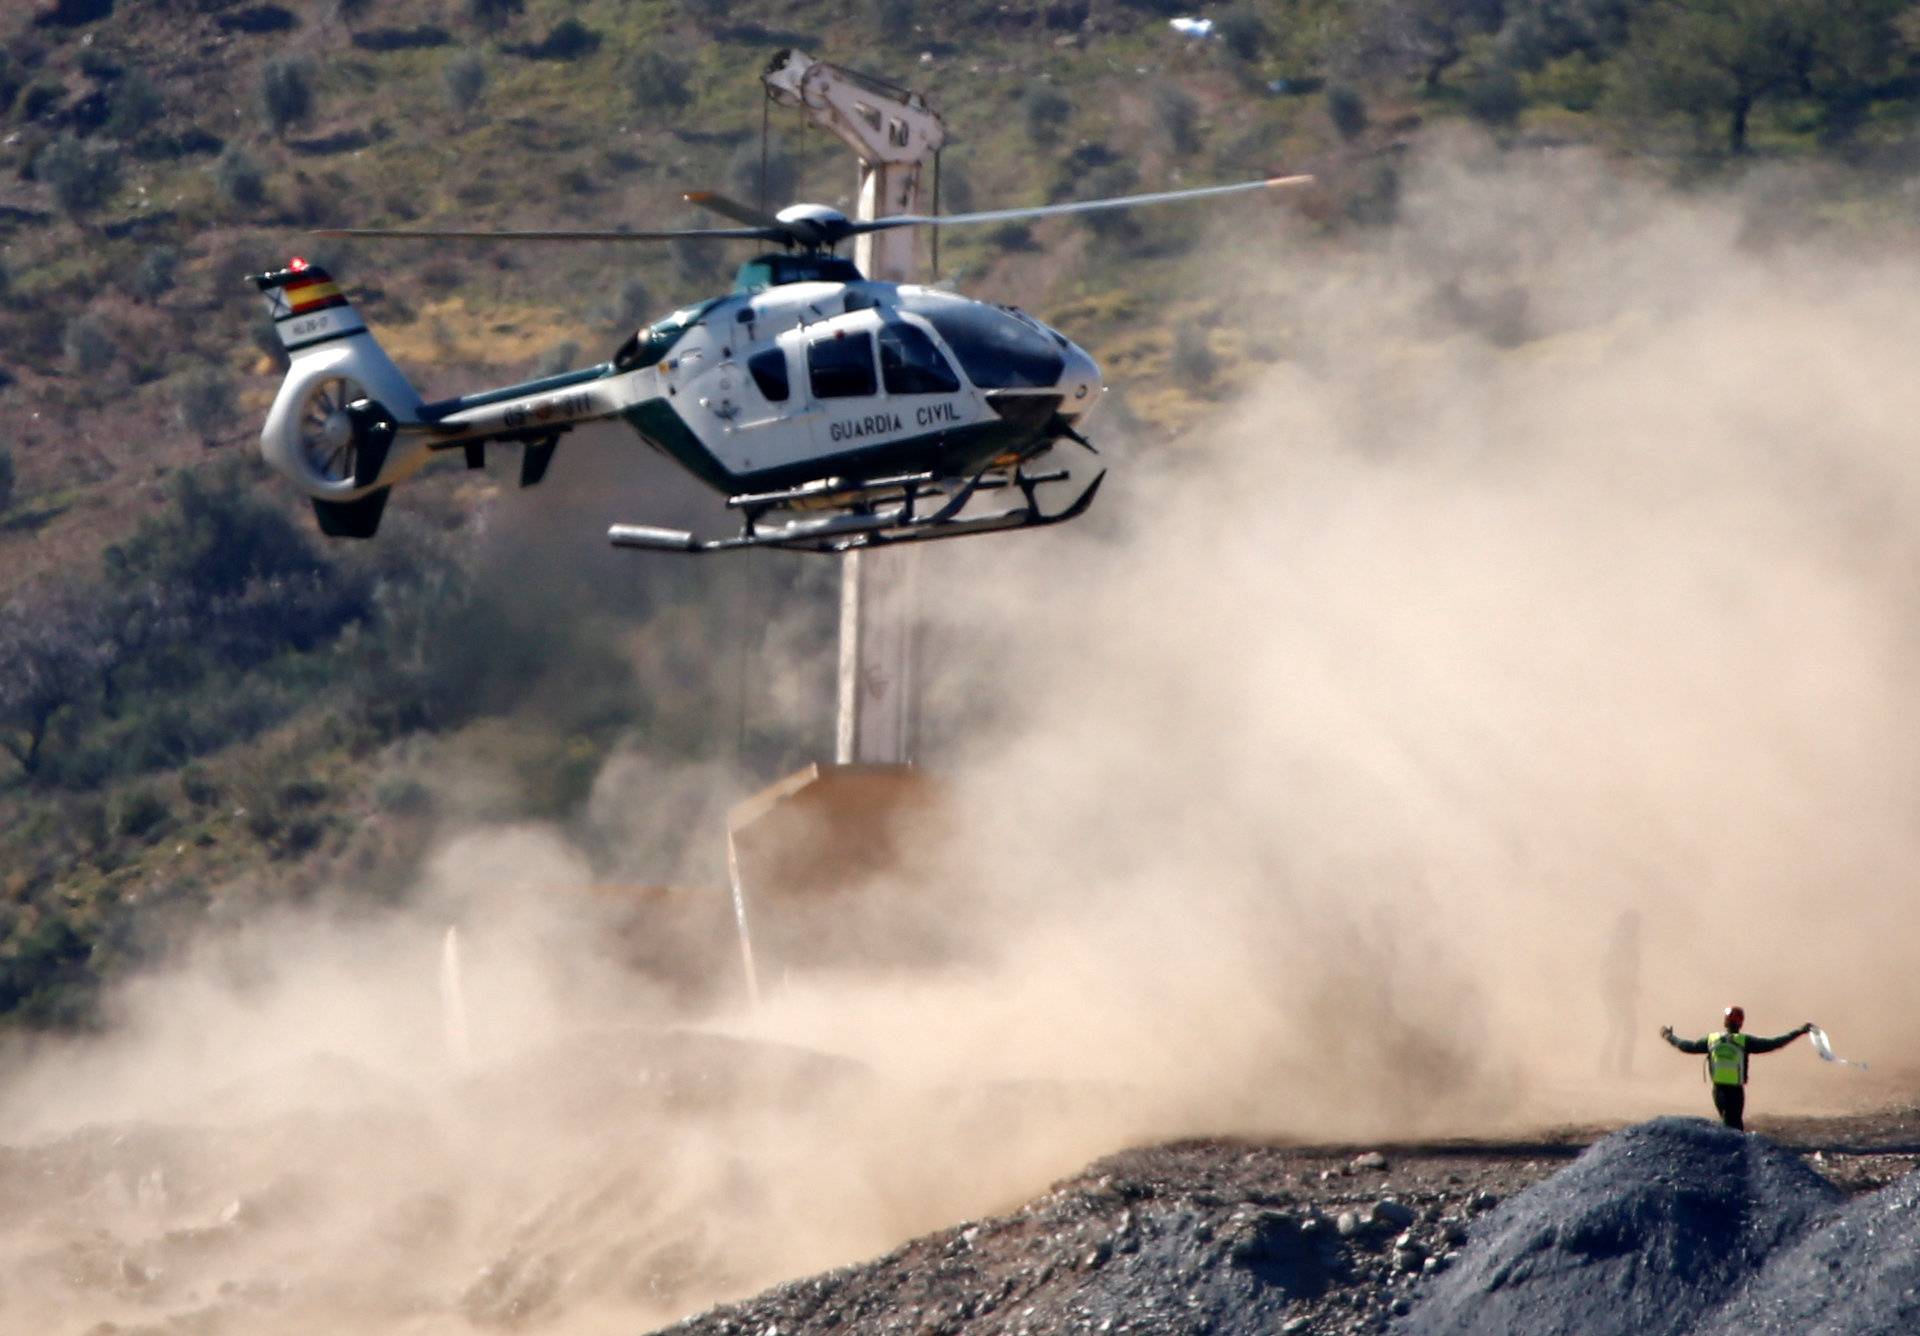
(296, 264)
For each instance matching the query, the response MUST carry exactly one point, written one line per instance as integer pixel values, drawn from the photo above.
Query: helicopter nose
(1080, 383)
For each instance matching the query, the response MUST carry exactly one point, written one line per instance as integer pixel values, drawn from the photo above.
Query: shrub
(6, 479)
(569, 39)
(204, 398)
(140, 813)
(743, 174)
(1045, 112)
(709, 12)
(466, 76)
(153, 277)
(1178, 117)
(1192, 360)
(1242, 33)
(82, 177)
(286, 93)
(493, 13)
(632, 305)
(1347, 110)
(136, 107)
(199, 786)
(89, 347)
(351, 12)
(892, 19)
(1495, 97)
(239, 178)
(658, 80)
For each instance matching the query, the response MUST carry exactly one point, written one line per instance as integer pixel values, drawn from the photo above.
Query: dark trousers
(1731, 1101)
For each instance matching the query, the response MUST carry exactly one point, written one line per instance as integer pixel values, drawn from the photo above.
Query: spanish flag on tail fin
(307, 306)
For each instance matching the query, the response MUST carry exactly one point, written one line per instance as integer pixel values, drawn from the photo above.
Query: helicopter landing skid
(866, 524)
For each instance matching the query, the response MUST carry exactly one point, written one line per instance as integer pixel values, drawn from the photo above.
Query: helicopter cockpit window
(769, 372)
(997, 350)
(910, 364)
(842, 366)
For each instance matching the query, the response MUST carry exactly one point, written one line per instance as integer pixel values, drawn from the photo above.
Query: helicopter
(831, 411)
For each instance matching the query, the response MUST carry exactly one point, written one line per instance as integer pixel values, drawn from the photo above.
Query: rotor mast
(895, 134)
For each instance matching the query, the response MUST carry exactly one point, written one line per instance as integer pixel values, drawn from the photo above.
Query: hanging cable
(766, 118)
(936, 214)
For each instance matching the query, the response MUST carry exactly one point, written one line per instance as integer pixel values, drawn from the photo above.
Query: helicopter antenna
(936, 213)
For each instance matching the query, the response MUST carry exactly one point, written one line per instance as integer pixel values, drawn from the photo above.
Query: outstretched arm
(1684, 1045)
(1755, 1044)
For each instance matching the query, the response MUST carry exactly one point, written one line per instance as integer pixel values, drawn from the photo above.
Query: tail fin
(332, 426)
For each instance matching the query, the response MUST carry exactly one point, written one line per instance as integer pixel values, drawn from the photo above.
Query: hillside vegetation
(203, 706)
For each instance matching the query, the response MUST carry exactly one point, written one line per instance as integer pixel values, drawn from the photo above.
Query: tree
(286, 93)
(350, 12)
(1724, 58)
(632, 305)
(51, 643)
(83, 177)
(1426, 37)
(1348, 112)
(466, 76)
(6, 480)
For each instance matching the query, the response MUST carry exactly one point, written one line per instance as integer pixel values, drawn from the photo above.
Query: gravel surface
(1673, 1226)
(1858, 1274)
(1647, 1232)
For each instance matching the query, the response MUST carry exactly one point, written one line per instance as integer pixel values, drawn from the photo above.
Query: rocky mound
(1647, 1233)
(1859, 1275)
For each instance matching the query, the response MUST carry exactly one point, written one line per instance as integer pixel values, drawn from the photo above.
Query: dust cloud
(1556, 576)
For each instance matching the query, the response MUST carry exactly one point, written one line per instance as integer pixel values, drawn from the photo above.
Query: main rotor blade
(1077, 206)
(728, 207)
(458, 234)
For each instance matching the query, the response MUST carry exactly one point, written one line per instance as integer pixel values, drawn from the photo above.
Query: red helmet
(1735, 1017)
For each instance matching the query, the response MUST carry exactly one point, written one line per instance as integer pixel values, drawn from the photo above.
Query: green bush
(140, 813)
(239, 179)
(656, 79)
(1494, 97)
(1045, 112)
(205, 400)
(286, 93)
(83, 177)
(154, 277)
(466, 78)
(1347, 110)
(135, 108)
(90, 349)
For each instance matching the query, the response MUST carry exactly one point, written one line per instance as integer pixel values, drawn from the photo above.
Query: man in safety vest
(1727, 1052)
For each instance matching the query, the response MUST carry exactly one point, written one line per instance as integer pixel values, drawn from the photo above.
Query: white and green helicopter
(833, 412)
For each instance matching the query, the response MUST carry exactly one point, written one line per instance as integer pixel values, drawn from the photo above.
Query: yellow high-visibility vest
(1727, 1057)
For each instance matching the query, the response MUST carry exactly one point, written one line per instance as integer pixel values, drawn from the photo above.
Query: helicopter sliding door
(848, 417)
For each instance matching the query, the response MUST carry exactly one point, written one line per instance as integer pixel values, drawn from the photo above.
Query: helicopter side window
(769, 372)
(910, 364)
(841, 367)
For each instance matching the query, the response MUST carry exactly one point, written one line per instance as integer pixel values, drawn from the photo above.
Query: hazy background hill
(205, 708)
